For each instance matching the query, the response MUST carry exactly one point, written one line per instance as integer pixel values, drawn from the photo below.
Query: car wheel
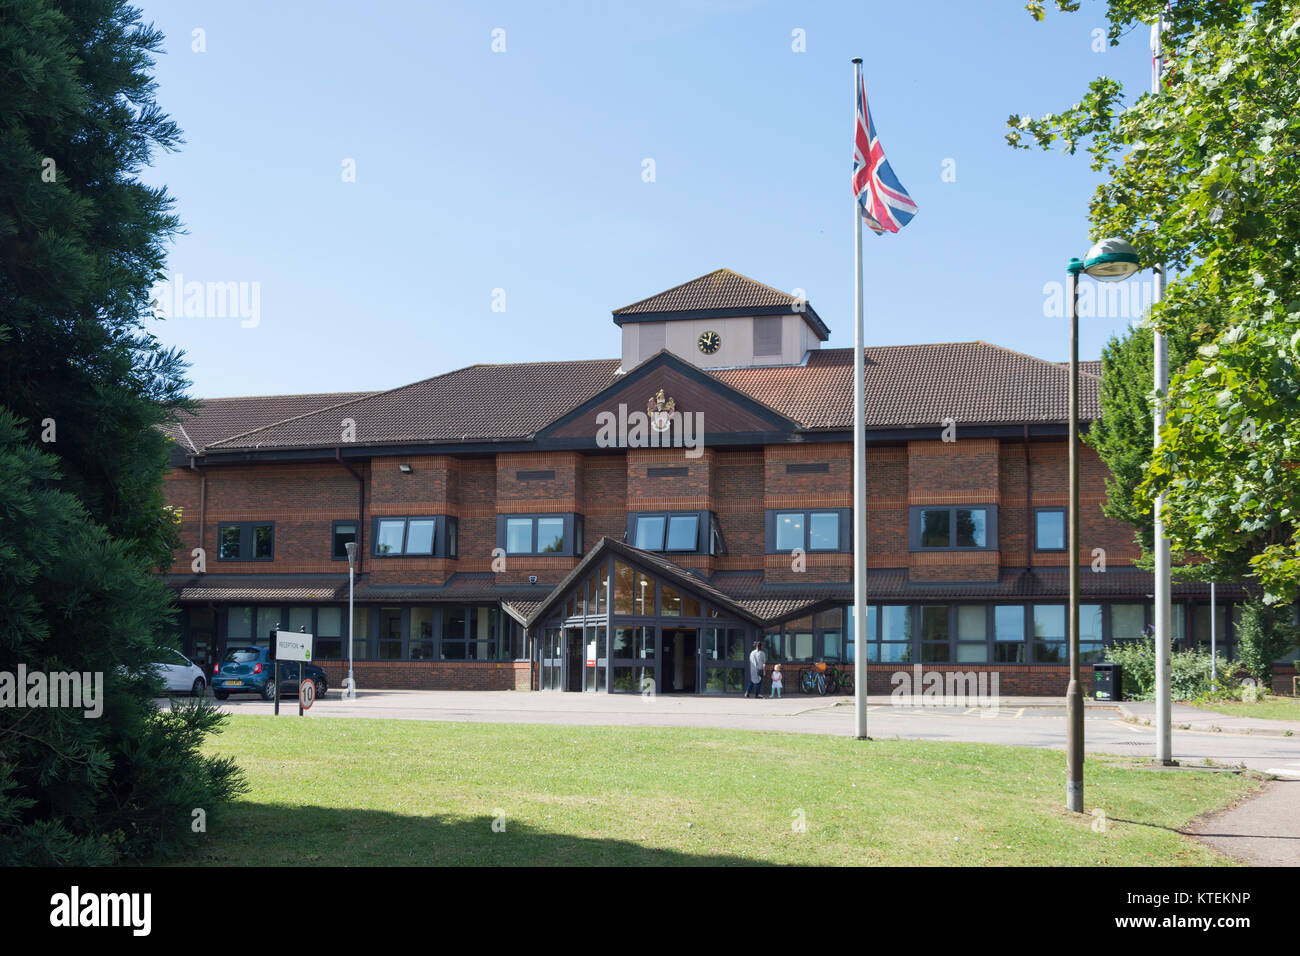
(268, 690)
(197, 689)
(221, 694)
(321, 688)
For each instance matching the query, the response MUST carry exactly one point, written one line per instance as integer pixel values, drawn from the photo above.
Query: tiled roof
(478, 403)
(970, 382)
(906, 385)
(258, 587)
(462, 586)
(1088, 366)
(219, 418)
(720, 289)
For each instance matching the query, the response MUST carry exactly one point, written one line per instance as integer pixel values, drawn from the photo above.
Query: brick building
(615, 524)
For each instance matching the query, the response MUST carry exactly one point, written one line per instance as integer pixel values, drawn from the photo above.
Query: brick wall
(430, 675)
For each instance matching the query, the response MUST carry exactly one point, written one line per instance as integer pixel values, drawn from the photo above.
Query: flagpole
(860, 636)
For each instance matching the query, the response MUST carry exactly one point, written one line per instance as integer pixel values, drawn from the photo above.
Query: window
(1009, 633)
(672, 531)
(1049, 529)
(934, 634)
(1127, 621)
(1049, 634)
(329, 634)
(246, 541)
(389, 647)
(344, 533)
(540, 534)
(826, 530)
(650, 532)
(550, 535)
(972, 634)
(954, 529)
(420, 647)
(426, 536)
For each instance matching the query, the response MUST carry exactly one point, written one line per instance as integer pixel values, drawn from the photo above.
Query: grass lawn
(345, 791)
(1270, 708)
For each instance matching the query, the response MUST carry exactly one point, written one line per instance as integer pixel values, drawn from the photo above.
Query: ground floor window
(389, 632)
(989, 633)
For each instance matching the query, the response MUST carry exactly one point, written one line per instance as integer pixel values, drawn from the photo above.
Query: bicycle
(839, 681)
(814, 679)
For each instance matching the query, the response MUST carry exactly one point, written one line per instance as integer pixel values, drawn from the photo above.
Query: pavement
(1263, 830)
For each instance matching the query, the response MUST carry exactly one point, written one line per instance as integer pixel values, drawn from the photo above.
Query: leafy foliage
(1264, 634)
(83, 527)
(1189, 670)
(1203, 177)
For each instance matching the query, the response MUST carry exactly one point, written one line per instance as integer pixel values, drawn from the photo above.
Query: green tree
(1203, 178)
(83, 386)
(1264, 634)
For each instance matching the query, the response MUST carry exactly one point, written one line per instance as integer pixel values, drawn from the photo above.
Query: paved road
(1026, 722)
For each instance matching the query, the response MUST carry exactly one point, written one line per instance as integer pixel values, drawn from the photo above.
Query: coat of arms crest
(660, 411)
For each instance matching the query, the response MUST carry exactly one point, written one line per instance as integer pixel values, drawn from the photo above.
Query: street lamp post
(1111, 260)
(351, 692)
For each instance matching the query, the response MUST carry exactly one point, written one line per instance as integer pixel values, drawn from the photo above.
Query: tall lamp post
(1111, 260)
(351, 547)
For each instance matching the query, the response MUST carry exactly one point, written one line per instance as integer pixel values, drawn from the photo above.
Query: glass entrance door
(679, 662)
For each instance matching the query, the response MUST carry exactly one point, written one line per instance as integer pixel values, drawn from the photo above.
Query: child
(776, 681)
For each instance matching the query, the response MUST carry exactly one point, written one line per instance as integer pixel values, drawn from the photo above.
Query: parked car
(179, 673)
(249, 670)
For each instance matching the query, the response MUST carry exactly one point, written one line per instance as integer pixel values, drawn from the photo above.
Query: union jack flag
(882, 200)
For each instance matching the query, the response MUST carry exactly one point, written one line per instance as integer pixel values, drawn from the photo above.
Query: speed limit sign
(306, 694)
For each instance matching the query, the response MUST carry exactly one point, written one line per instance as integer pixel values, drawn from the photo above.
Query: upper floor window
(820, 530)
(343, 534)
(685, 532)
(1049, 529)
(246, 541)
(956, 528)
(540, 534)
(425, 536)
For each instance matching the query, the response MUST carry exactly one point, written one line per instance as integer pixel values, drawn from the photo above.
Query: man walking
(757, 664)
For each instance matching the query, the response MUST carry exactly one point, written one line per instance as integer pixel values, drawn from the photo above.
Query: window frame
(246, 539)
(845, 515)
(572, 534)
(708, 534)
(1065, 529)
(334, 530)
(914, 525)
(444, 529)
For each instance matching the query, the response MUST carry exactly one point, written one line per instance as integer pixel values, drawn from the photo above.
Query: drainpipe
(1029, 507)
(361, 505)
(203, 503)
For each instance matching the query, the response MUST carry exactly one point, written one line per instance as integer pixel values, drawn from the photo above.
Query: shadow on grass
(257, 834)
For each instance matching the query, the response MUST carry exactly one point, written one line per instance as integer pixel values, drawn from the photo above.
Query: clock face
(709, 342)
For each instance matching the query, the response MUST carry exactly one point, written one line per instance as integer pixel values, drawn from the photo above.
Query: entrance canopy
(627, 620)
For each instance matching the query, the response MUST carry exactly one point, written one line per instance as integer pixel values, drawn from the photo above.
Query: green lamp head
(1111, 260)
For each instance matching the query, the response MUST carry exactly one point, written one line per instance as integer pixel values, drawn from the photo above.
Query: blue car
(249, 670)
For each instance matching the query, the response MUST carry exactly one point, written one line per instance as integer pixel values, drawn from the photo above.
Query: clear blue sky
(522, 171)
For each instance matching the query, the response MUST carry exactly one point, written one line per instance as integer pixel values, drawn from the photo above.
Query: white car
(180, 674)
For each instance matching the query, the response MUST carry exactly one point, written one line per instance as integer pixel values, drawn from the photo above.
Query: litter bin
(1106, 681)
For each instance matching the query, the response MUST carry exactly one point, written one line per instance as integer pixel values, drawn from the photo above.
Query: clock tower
(721, 320)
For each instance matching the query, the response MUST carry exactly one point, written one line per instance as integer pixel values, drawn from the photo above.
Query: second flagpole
(860, 636)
